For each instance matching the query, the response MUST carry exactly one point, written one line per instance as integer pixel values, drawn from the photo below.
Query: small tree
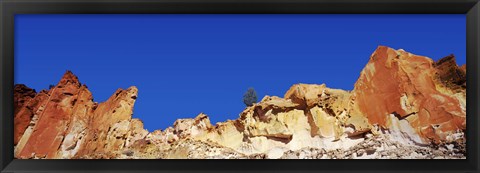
(250, 97)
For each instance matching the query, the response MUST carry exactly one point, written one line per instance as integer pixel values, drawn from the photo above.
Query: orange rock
(464, 68)
(108, 126)
(25, 104)
(49, 130)
(65, 122)
(400, 83)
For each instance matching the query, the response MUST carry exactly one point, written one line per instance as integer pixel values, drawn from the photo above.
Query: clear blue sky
(187, 64)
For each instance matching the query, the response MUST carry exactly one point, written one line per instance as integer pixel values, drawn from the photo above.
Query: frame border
(9, 8)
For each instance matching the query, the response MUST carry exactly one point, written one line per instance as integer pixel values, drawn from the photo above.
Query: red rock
(67, 122)
(23, 101)
(397, 82)
(449, 73)
(22, 95)
(49, 130)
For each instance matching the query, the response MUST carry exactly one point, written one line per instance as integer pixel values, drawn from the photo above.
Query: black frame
(9, 8)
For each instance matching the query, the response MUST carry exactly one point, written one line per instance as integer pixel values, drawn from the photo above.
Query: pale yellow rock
(198, 126)
(169, 135)
(178, 153)
(136, 132)
(358, 122)
(226, 134)
(277, 102)
(326, 123)
(262, 144)
(117, 134)
(305, 94)
(156, 137)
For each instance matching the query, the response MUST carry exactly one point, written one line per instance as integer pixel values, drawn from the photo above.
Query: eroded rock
(401, 103)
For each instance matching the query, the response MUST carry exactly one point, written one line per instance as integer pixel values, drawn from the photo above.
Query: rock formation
(64, 122)
(401, 103)
(428, 95)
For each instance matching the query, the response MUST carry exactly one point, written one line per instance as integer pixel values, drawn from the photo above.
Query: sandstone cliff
(401, 103)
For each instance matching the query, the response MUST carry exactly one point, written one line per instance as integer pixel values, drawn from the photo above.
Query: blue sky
(187, 64)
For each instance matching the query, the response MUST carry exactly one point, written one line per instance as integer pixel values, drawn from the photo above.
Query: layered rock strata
(400, 103)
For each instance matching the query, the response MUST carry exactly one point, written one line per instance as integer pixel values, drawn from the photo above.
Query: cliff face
(429, 95)
(400, 100)
(65, 122)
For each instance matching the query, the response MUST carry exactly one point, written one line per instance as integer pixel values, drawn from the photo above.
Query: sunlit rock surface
(402, 106)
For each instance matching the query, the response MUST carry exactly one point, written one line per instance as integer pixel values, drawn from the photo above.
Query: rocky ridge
(401, 103)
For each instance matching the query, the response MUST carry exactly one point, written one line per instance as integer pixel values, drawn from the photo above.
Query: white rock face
(276, 152)
(401, 131)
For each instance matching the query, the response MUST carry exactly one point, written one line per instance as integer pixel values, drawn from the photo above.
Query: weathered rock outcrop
(400, 103)
(26, 102)
(426, 94)
(64, 122)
